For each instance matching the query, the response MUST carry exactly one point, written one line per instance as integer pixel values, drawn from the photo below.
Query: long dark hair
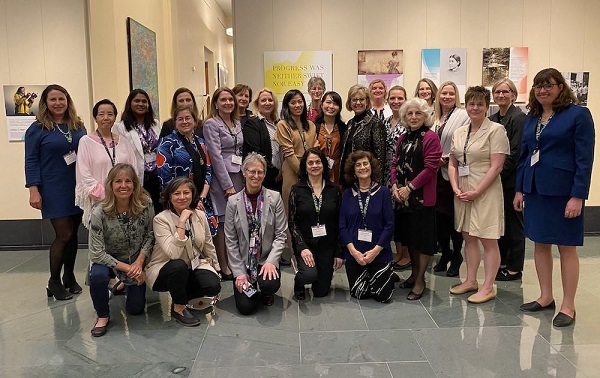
(285, 110)
(337, 99)
(128, 117)
(565, 98)
(303, 174)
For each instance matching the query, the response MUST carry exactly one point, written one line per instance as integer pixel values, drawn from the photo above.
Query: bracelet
(410, 188)
(202, 199)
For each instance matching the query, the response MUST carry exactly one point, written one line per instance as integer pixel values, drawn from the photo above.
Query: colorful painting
(441, 65)
(387, 65)
(507, 62)
(143, 69)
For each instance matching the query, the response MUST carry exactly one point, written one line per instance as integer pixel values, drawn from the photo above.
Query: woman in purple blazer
(553, 179)
(414, 177)
(224, 140)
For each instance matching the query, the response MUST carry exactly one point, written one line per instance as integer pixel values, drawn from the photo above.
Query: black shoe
(99, 331)
(453, 270)
(441, 266)
(268, 300)
(402, 266)
(406, 285)
(300, 295)
(395, 278)
(226, 277)
(412, 296)
(563, 320)
(118, 288)
(535, 306)
(186, 318)
(505, 275)
(284, 262)
(57, 290)
(71, 284)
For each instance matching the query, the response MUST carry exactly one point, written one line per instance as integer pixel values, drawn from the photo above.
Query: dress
(45, 167)
(566, 155)
(173, 160)
(222, 145)
(292, 147)
(392, 136)
(93, 164)
(484, 217)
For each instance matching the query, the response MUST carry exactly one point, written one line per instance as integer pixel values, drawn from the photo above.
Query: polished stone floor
(439, 336)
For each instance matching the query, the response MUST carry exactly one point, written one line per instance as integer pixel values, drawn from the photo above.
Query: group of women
(424, 172)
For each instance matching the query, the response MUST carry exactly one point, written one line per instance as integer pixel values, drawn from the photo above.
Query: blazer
(273, 228)
(256, 139)
(458, 118)
(566, 152)
(134, 140)
(221, 148)
(169, 247)
(513, 123)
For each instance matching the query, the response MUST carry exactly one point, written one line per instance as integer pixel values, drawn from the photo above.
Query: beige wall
(53, 41)
(559, 33)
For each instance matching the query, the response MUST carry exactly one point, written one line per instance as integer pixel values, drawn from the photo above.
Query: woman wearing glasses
(255, 233)
(316, 87)
(553, 179)
(512, 243)
(365, 131)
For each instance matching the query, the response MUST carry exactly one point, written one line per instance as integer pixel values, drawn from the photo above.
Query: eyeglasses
(547, 87)
(255, 172)
(186, 119)
(502, 92)
(358, 99)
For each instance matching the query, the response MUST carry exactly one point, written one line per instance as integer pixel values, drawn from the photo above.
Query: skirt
(545, 222)
(416, 229)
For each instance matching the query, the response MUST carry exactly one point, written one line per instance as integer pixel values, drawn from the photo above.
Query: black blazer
(513, 123)
(256, 139)
(303, 215)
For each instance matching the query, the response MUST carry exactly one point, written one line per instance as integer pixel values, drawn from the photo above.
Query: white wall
(559, 33)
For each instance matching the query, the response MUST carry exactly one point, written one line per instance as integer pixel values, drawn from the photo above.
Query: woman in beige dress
(476, 160)
(295, 134)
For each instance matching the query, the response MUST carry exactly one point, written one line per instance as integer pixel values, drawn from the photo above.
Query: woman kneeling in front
(120, 239)
(255, 234)
(366, 229)
(184, 261)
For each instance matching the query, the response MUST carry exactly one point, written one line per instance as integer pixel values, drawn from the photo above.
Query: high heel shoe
(57, 290)
(71, 284)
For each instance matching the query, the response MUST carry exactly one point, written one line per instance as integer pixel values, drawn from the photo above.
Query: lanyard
(233, 135)
(540, 126)
(114, 154)
(365, 207)
(318, 201)
(303, 137)
(465, 147)
(329, 138)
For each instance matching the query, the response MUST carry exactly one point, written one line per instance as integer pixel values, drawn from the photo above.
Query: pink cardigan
(427, 179)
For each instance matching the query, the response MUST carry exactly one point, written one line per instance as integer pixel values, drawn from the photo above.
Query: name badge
(365, 235)
(236, 159)
(330, 162)
(195, 263)
(318, 231)
(70, 158)
(252, 242)
(463, 170)
(249, 291)
(535, 157)
(149, 157)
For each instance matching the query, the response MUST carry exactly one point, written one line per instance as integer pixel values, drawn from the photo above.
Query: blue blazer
(566, 148)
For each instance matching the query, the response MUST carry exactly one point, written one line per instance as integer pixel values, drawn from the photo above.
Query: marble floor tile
(367, 370)
(336, 312)
(359, 346)
(586, 358)
(398, 314)
(411, 369)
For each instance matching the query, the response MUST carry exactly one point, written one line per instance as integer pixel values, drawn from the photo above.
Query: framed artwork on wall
(223, 74)
(143, 68)
(387, 65)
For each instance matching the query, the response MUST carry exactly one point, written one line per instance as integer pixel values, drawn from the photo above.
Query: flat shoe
(563, 320)
(478, 299)
(457, 291)
(412, 296)
(99, 331)
(406, 285)
(505, 275)
(535, 306)
(402, 266)
(185, 318)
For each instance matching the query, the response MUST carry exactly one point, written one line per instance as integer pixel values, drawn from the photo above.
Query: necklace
(68, 136)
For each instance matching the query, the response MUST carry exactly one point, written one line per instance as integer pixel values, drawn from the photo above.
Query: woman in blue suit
(553, 179)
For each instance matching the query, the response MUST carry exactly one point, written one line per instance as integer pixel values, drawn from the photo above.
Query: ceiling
(225, 6)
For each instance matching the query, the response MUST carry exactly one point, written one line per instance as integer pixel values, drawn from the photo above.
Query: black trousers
(354, 270)
(512, 244)
(152, 186)
(184, 284)
(248, 306)
(319, 275)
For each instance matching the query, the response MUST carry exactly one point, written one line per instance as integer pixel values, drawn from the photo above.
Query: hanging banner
(285, 70)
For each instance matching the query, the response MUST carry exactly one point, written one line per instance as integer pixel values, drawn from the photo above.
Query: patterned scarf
(254, 233)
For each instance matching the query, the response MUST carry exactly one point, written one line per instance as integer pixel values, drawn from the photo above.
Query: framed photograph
(387, 65)
(223, 74)
(143, 68)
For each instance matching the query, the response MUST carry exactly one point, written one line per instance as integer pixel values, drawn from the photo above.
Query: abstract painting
(143, 69)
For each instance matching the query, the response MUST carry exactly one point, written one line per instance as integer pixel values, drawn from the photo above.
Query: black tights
(63, 250)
